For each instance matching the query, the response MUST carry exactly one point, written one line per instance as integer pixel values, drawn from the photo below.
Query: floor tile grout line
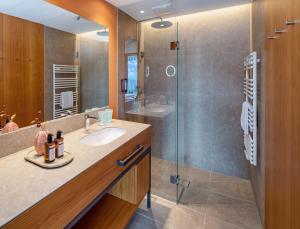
(180, 206)
(205, 210)
(221, 220)
(149, 218)
(212, 178)
(235, 198)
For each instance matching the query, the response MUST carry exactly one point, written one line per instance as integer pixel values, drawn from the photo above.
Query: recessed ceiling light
(142, 11)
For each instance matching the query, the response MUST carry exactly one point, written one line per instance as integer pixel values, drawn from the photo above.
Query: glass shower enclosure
(151, 97)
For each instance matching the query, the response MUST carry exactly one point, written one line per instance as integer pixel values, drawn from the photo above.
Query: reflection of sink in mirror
(153, 110)
(156, 108)
(103, 136)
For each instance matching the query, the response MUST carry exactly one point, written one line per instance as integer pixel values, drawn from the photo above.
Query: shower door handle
(124, 85)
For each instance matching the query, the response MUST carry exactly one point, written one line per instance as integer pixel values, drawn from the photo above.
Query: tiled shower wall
(93, 73)
(59, 49)
(212, 47)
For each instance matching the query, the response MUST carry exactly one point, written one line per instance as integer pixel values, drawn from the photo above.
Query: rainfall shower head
(161, 24)
(160, 11)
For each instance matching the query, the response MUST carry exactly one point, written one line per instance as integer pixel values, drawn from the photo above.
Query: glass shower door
(156, 101)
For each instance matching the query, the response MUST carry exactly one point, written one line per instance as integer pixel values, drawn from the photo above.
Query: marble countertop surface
(23, 184)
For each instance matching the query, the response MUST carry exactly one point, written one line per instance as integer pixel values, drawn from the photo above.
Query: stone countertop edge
(23, 184)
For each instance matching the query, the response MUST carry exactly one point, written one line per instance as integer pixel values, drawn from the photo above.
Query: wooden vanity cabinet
(97, 197)
(135, 184)
(116, 208)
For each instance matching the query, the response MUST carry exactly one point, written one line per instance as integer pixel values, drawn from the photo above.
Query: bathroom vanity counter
(25, 186)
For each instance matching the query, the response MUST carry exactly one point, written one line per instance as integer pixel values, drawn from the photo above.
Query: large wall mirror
(51, 60)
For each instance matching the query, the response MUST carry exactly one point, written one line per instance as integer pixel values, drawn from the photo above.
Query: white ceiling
(42, 12)
(180, 7)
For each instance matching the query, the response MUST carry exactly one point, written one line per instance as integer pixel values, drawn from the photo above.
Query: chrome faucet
(87, 119)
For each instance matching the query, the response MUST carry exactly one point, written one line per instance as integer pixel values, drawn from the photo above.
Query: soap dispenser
(49, 149)
(41, 136)
(59, 144)
(10, 125)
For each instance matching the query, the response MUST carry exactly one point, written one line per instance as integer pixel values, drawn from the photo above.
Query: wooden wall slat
(22, 80)
(282, 116)
(295, 30)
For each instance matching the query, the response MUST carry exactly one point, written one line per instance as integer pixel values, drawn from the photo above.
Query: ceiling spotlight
(142, 11)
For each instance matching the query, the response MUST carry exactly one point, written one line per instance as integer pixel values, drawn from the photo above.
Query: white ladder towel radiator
(250, 91)
(65, 78)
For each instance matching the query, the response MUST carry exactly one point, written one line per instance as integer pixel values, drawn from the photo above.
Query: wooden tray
(39, 160)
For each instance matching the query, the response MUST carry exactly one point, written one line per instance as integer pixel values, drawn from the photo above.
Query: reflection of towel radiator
(65, 78)
(250, 91)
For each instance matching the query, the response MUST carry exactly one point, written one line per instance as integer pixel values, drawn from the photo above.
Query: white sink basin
(103, 136)
(156, 109)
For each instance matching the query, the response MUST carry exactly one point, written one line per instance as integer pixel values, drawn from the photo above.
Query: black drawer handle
(124, 162)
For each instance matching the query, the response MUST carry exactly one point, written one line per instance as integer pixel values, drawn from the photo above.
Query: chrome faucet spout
(87, 118)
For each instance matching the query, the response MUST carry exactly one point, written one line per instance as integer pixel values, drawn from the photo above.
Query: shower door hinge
(174, 179)
(174, 45)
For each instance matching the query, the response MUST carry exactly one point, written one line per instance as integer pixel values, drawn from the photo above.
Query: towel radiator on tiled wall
(250, 91)
(65, 78)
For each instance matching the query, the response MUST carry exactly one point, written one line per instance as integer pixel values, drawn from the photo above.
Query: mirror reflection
(51, 61)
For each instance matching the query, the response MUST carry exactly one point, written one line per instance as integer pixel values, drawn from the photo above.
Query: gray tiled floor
(213, 201)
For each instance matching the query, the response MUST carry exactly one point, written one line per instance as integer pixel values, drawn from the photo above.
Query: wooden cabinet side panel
(143, 178)
(126, 188)
(135, 184)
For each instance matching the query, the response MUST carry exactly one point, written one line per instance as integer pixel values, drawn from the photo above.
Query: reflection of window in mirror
(132, 76)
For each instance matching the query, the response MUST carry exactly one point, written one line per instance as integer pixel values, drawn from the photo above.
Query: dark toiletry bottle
(59, 144)
(49, 149)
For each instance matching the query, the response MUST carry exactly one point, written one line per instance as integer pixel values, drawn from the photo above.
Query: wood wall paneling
(295, 31)
(14, 67)
(34, 70)
(22, 80)
(282, 116)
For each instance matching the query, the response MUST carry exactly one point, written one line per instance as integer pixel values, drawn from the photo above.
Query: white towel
(248, 146)
(244, 117)
(66, 99)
